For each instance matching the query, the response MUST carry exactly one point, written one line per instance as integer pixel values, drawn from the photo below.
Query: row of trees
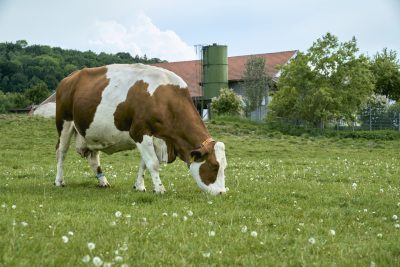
(329, 82)
(24, 67)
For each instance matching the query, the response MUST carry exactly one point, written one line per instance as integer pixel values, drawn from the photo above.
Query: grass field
(293, 201)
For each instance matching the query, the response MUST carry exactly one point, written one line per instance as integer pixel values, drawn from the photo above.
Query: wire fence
(369, 120)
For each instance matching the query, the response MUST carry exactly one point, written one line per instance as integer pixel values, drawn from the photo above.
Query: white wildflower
(373, 264)
(190, 213)
(91, 245)
(65, 239)
(40, 206)
(174, 214)
(97, 261)
(24, 224)
(397, 226)
(354, 186)
(125, 265)
(71, 233)
(253, 233)
(244, 229)
(394, 217)
(209, 202)
(118, 258)
(118, 214)
(211, 233)
(14, 206)
(165, 214)
(381, 190)
(332, 232)
(107, 264)
(113, 223)
(3, 205)
(379, 235)
(185, 218)
(311, 240)
(86, 259)
(206, 254)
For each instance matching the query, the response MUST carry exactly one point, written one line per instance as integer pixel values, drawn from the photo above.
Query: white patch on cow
(102, 133)
(47, 110)
(65, 139)
(218, 186)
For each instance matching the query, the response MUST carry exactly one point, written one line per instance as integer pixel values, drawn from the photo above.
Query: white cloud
(142, 37)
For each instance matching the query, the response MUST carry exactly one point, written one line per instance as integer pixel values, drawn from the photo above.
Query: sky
(170, 29)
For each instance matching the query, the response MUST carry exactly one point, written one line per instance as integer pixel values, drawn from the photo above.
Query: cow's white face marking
(218, 186)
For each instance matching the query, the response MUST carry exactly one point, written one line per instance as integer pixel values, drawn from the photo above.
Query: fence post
(370, 119)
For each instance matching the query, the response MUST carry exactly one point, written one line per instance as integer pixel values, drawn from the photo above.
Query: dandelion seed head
(311, 240)
(118, 214)
(86, 259)
(97, 261)
(91, 245)
(253, 234)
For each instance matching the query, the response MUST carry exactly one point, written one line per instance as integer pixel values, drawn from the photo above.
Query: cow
(122, 106)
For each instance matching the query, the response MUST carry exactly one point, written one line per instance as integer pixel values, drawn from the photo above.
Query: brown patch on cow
(168, 114)
(209, 169)
(78, 96)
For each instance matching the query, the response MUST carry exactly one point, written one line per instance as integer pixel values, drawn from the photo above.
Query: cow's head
(208, 167)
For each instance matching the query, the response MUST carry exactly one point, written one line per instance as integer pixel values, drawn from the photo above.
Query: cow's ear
(197, 155)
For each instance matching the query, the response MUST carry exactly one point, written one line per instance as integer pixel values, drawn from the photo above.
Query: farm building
(191, 72)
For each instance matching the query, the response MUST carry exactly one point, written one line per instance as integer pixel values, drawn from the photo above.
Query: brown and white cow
(120, 107)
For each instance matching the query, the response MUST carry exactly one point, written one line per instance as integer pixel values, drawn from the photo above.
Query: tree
(386, 69)
(256, 83)
(37, 93)
(227, 103)
(328, 82)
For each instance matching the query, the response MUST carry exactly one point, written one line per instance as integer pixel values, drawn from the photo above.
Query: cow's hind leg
(94, 162)
(139, 185)
(64, 140)
(146, 148)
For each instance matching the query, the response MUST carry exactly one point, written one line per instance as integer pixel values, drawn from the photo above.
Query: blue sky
(170, 29)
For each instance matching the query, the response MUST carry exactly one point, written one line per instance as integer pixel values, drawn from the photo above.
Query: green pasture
(293, 201)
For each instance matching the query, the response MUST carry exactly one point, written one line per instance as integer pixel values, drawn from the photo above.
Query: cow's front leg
(94, 162)
(139, 185)
(150, 159)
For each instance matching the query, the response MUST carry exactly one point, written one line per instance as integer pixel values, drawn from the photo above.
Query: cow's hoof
(160, 189)
(59, 184)
(139, 188)
(104, 185)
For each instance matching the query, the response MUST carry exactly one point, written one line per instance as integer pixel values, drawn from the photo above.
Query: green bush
(227, 103)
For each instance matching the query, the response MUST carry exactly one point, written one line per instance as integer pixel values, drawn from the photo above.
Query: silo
(215, 70)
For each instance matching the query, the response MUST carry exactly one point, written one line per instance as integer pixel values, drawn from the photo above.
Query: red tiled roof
(190, 71)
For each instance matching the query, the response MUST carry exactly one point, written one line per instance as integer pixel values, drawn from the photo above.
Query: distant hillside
(24, 66)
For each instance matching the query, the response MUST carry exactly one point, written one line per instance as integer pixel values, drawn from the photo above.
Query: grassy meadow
(293, 201)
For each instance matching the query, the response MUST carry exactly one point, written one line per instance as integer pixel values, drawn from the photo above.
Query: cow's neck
(192, 134)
